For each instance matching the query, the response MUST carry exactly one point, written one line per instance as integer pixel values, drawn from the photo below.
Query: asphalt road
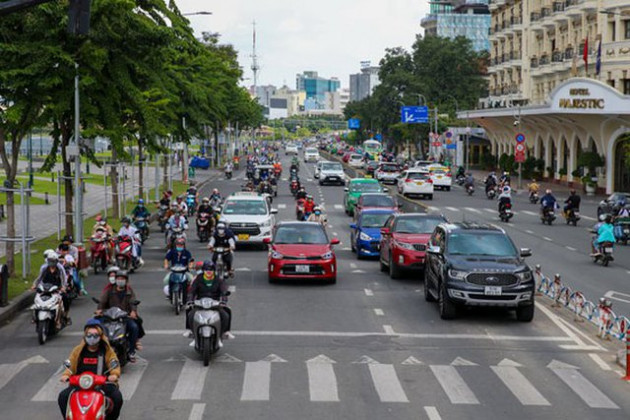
(365, 348)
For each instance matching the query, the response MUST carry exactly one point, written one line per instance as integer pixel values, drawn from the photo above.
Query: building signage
(580, 99)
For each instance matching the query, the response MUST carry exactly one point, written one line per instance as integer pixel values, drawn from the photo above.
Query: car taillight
(430, 181)
(408, 180)
(448, 175)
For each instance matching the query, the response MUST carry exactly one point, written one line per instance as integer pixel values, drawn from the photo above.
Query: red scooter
(88, 402)
(124, 257)
(98, 251)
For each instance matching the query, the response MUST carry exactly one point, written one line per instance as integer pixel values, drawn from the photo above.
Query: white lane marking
(490, 210)
(346, 249)
(282, 206)
(531, 232)
(338, 207)
(585, 336)
(309, 180)
(379, 312)
(546, 238)
(584, 389)
(387, 384)
(518, 384)
(411, 361)
(9, 370)
(570, 248)
(231, 289)
(530, 213)
(453, 385)
(197, 411)
(432, 208)
(611, 295)
(592, 219)
(432, 413)
(353, 265)
(368, 292)
(256, 381)
(599, 361)
(389, 330)
(472, 210)
(322, 381)
(335, 234)
(51, 389)
(133, 376)
(190, 382)
(452, 208)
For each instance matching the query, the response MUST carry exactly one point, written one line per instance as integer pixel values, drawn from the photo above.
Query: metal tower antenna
(255, 66)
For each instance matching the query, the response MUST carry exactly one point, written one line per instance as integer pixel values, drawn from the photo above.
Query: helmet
(316, 208)
(52, 259)
(48, 251)
(506, 189)
(67, 238)
(93, 323)
(215, 191)
(180, 198)
(69, 259)
(112, 269)
(174, 206)
(207, 265)
(602, 217)
(122, 273)
(309, 197)
(125, 220)
(180, 241)
(205, 200)
(140, 201)
(547, 191)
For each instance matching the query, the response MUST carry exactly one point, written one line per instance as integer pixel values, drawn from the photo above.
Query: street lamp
(421, 96)
(203, 13)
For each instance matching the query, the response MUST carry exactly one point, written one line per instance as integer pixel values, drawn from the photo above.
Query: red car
(301, 250)
(376, 200)
(346, 157)
(404, 240)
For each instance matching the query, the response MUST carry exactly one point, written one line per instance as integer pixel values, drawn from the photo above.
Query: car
(311, 154)
(416, 182)
(441, 177)
(318, 167)
(470, 264)
(249, 216)
(370, 168)
(404, 240)
(365, 234)
(612, 203)
(376, 200)
(423, 163)
(356, 187)
(301, 250)
(346, 157)
(291, 149)
(332, 173)
(387, 172)
(356, 160)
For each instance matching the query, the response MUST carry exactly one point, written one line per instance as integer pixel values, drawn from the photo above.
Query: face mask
(317, 213)
(121, 283)
(221, 231)
(112, 280)
(92, 339)
(179, 248)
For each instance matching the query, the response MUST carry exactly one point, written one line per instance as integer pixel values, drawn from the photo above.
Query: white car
(416, 182)
(387, 172)
(250, 217)
(311, 154)
(356, 160)
(441, 177)
(318, 168)
(332, 173)
(291, 149)
(423, 164)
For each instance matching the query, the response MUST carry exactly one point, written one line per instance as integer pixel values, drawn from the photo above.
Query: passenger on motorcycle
(605, 233)
(548, 202)
(505, 198)
(317, 216)
(207, 285)
(122, 296)
(181, 205)
(166, 198)
(94, 354)
(505, 179)
(70, 265)
(572, 203)
(309, 206)
(223, 238)
(66, 247)
(178, 256)
(301, 194)
(177, 220)
(127, 230)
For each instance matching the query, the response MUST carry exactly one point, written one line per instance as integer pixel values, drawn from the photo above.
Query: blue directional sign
(414, 114)
(378, 137)
(354, 124)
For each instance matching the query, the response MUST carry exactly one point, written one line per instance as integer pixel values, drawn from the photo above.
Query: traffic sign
(519, 157)
(520, 138)
(448, 134)
(414, 114)
(520, 148)
(436, 144)
(354, 124)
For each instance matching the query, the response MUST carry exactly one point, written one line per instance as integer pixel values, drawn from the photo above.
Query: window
(627, 29)
(613, 29)
(626, 86)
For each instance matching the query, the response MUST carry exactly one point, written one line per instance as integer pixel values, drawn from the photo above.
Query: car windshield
(331, 167)
(246, 207)
(480, 244)
(378, 201)
(389, 168)
(417, 175)
(374, 220)
(365, 187)
(303, 234)
(311, 150)
(356, 157)
(417, 224)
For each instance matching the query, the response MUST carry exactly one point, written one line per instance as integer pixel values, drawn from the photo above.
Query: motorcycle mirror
(67, 364)
(113, 364)
(135, 302)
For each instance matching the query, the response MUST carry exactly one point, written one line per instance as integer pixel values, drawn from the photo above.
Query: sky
(331, 37)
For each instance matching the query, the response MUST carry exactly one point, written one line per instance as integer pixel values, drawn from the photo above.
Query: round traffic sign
(449, 134)
(520, 137)
(520, 147)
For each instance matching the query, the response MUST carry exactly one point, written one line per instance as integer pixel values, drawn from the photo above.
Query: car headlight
(458, 274)
(403, 245)
(525, 276)
(266, 223)
(276, 255)
(327, 256)
(365, 237)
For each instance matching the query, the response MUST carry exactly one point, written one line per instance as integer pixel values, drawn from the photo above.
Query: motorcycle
(204, 227)
(505, 213)
(48, 312)
(605, 254)
(191, 203)
(470, 189)
(294, 186)
(548, 216)
(491, 193)
(460, 179)
(228, 174)
(176, 233)
(114, 322)
(143, 227)
(98, 251)
(87, 400)
(206, 327)
(178, 285)
(219, 270)
(533, 197)
(122, 250)
(572, 216)
(162, 219)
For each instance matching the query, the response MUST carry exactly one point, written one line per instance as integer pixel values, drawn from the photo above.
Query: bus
(374, 148)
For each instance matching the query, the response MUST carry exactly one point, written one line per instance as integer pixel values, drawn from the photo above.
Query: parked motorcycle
(206, 327)
(204, 226)
(98, 251)
(48, 313)
(87, 401)
(572, 217)
(548, 216)
(505, 213)
(178, 285)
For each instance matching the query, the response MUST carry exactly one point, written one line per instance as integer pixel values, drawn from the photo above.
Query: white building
(362, 84)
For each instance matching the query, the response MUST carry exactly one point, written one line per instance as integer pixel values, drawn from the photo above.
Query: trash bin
(83, 262)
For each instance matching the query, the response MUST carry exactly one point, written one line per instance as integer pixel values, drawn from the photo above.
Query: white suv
(331, 173)
(311, 154)
(291, 149)
(416, 182)
(250, 217)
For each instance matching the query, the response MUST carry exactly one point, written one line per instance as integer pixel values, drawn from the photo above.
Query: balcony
(568, 53)
(544, 59)
(558, 6)
(545, 12)
(557, 57)
(533, 62)
(534, 16)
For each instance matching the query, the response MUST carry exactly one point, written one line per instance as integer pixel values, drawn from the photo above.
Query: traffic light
(79, 17)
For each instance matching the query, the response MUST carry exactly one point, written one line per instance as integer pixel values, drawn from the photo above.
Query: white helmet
(69, 259)
(48, 251)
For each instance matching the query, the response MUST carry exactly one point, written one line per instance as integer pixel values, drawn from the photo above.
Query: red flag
(585, 54)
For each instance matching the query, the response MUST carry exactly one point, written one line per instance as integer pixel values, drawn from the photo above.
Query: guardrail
(601, 314)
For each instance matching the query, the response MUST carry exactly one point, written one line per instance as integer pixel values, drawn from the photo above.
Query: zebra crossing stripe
(584, 388)
(518, 384)
(387, 383)
(322, 382)
(51, 388)
(131, 379)
(453, 385)
(190, 382)
(256, 381)
(197, 411)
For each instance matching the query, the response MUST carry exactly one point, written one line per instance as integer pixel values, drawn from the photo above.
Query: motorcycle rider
(317, 216)
(67, 247)
(205, 207)
(111, 276)
(181, 204)
(215, 197)
(101, 223)
(223, 238)
(301, 194)
(207, 285)
(228, 168)
(177, 220)
(490, 181)
(140, 211)
(178, 256)
(572, 203)
(548, 202)
(54, 273)
(505, 179)
(469, 181)
(533, 188)
(122, 296)
(505, 198)
(127, 230)
(93, 354)
(605, 233)
(69, 264)
(166, 198)
(309, 206)
(461, 172)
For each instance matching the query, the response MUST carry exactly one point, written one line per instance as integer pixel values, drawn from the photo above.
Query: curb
(16, 305)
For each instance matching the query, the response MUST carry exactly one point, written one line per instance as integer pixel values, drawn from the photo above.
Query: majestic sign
(588, 96)
(581, 99)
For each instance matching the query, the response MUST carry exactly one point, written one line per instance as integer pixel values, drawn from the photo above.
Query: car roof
(470, 226)
(377, 194)
(370, 210)
(418, 170)
(427, 215)
(246, 195)
(299, 224)
(363, 181)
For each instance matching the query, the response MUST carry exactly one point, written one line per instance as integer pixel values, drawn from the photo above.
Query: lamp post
(202, 13)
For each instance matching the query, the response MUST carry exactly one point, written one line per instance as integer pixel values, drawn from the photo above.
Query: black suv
(477, 265)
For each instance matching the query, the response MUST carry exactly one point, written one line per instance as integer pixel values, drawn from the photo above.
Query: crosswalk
(463, 382)
(494, 210)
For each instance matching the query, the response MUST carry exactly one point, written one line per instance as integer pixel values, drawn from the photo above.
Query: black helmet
(67, 238)
(126, 220)
(122, 273)
(207, 265)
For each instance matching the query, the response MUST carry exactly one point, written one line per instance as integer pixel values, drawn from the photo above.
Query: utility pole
(78, 190)
(255, 66)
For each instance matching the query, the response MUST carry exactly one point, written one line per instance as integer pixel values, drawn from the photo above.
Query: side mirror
(434, 250)
(66, 363)
(384, 231)
(335, 241)
(353, 225)
(113, 364)
(526, 252)
(274, 211)
(266, 241)
(346, 189)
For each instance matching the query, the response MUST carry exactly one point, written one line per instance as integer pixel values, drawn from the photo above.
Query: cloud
(328, 36)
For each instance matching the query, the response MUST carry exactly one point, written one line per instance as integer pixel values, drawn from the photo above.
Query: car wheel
(446, 307)
(525, 313)
(394, 270)
(448, 188)
(430, 196)
(320, 183)
(382, 265)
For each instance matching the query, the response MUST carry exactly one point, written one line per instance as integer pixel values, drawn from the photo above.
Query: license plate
(419, 183)
(243, 237)
(608, 250)
(493, 291)
(302, 269)
(439, 177)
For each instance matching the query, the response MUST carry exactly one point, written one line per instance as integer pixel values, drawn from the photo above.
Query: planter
(590, 189)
